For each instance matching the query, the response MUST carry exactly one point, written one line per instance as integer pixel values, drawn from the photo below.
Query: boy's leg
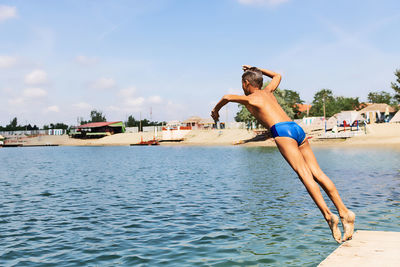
(290, 151)
(329, 187)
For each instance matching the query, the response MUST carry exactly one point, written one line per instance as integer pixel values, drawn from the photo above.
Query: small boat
(153, 142)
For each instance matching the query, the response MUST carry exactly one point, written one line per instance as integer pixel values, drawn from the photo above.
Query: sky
(170, 59)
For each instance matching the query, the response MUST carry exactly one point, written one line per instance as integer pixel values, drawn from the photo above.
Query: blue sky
(60, 59)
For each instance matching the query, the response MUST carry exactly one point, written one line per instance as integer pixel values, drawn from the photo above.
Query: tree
(243, 115)
(317, 108)
(58, 125)
(346, 103)
(333, 104)
(97, 116)
(293, 99)
(396, 85)
(380, 97)
(131, 122)
(13, 123)
(13, 126)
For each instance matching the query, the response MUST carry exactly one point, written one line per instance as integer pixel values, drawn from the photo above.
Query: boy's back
(263, 105)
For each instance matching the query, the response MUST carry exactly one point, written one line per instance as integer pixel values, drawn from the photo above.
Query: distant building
(56, 131)
(378, 112)
(174, 123)
(196, 122)
(97, 129)
(193, 122)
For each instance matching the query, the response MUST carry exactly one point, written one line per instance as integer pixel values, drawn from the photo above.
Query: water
(181, 206)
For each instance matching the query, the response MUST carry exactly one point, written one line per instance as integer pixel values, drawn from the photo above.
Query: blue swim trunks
(289, 129)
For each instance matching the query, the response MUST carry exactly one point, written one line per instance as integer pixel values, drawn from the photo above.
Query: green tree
(346, 103)
(13, 123)
(131, 122)
(333, 104)
(317, 108)
(293, 99)
(146, 122)
(396, 85)
(58, 125)
(243, 115)
(380, 97)
(13, 126)
(97, 116)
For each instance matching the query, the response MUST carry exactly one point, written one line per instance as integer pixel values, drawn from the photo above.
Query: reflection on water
(180, 206)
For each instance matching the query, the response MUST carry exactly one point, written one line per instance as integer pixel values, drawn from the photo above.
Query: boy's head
(253, 77)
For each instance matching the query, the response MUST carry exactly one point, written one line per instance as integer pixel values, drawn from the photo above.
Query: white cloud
(262, 2)
(7, 12)
(52, 109)
(103, 83)
(127, 92)
(86, 61)
(34, 92)
(7, 62)
(155, 99)
(134, 102)
(82, 105)
(36, 77)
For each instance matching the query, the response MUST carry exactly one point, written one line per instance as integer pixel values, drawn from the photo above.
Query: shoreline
(378, 135)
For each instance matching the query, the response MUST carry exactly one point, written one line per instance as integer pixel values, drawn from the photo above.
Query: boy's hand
(215, 115)
(246, 67)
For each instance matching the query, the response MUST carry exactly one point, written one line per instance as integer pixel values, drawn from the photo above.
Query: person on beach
(292, 143)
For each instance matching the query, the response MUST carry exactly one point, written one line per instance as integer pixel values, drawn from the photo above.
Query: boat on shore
(152, 142)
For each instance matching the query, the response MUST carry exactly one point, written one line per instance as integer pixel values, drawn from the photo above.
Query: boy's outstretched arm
(276, 78)
(242, 99)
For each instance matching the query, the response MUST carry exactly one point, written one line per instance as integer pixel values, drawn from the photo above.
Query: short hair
(254, 76)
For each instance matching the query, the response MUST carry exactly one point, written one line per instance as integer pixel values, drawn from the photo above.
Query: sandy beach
(377, 135)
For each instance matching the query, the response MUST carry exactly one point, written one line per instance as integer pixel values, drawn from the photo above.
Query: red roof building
(98, 129)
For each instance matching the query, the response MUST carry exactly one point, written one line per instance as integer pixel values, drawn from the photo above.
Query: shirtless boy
(292, 143)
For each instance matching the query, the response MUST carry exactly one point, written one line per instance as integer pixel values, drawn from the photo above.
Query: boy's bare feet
(348, 225)
(333, 224)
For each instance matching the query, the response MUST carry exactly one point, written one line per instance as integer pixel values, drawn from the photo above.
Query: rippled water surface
(181, 206)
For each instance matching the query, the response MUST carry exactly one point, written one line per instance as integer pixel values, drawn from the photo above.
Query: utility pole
(140, 123)
(151, 114)
(324, 114)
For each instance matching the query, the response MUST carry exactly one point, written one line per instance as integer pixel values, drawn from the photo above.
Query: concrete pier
(367, 248)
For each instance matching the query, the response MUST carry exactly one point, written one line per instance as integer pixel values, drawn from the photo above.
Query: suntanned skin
(264, 106)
